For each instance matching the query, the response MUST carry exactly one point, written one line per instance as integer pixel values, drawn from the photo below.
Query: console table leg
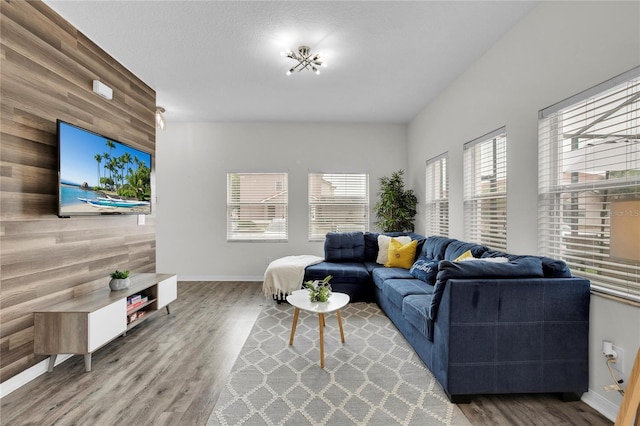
(87, 362)
(321, 327)
(52, 362)
(168, 312)
(293, 327)
(340, 325)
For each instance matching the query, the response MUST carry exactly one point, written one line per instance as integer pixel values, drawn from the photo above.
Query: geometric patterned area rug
(374, 378)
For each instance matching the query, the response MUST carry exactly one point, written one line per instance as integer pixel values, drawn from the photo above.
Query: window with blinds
(338, 202)
(485, 190)
(437, 196)
(257, 205)
(589, 184)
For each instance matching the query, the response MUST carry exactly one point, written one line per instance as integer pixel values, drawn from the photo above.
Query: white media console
(84, 324)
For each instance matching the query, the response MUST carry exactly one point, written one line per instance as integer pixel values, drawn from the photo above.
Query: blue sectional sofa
(520, 325)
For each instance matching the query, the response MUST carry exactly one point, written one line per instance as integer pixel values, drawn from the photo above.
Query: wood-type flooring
(171, 369)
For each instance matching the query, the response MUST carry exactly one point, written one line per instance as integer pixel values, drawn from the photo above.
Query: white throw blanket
(284, 276)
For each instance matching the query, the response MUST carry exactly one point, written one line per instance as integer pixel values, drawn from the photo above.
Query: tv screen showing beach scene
(98, 175)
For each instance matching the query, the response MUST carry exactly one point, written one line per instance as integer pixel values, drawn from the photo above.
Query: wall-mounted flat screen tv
(98, 175)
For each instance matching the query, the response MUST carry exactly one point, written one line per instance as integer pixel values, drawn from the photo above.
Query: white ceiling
(220, 61)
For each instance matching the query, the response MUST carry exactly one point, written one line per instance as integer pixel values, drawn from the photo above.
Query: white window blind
(257, 205)
(589, 184)
(338, 202)
(485, 190)
(437, 196)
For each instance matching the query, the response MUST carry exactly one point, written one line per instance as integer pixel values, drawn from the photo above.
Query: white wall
(191, 166)
(558, 50)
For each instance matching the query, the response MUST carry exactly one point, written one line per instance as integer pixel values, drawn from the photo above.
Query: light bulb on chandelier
(305, 60)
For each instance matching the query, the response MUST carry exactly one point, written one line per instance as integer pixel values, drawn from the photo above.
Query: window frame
(261, 212)
(486, 225)
(437, 195)
(315, 206)
(572, 193)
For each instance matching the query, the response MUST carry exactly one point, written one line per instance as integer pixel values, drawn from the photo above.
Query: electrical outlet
(619, 364)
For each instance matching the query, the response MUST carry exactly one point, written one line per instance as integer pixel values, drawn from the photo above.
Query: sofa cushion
(555, 268)
(344, 247)
(552, 268)
(455, 248)
(380, 275)
(494, 253)
(415, 310)
(434, 247)
(401, 255)
(370, 246)
(383, 246)
(419, 247)
(425, 269)
(397, 289)
(526, 267)
(372, 265)
(343, 272)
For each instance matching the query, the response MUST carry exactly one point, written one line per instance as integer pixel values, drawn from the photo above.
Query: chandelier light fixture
(305, 60)
(160, 121)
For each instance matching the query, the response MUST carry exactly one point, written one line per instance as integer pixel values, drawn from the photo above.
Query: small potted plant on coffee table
(319, 291)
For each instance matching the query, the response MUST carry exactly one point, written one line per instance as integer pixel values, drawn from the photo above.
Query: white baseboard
(220, 278)
(601, 404)
(28, 375)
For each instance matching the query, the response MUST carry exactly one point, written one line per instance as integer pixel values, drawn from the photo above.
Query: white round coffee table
(300, 300)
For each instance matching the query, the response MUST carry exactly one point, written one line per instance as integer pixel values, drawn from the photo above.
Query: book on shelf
(135, 305)
(134, 316)
(135, 301)
(131, 300)
(138, 303)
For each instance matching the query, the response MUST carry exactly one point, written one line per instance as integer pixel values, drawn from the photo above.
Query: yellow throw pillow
(466, 255)
(401, 255)
(383, 247)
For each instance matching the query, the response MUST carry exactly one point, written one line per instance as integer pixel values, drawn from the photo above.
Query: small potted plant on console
(119, 280)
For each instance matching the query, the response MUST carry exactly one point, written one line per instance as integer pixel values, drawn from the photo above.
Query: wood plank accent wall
(46, 72)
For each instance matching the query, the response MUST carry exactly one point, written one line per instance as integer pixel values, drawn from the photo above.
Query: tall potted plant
(396, 206)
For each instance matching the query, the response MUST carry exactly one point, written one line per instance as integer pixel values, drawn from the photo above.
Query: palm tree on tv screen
(111, 146)
(98, 158)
